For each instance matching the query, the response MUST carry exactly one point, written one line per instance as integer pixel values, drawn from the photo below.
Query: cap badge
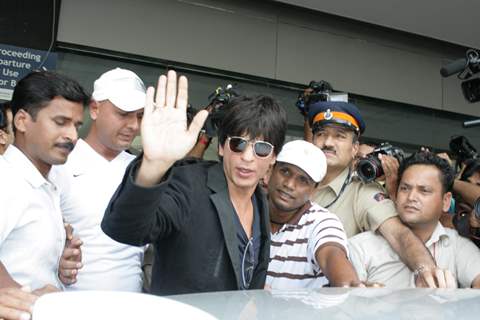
(328, 115)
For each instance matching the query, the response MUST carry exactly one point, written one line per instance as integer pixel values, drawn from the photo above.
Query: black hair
(447, 175)
(33, 92)
(4, 107)
(471, 166)
(370, 144)
(259, 116)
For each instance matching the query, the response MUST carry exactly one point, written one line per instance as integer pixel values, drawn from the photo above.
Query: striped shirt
(292, 251)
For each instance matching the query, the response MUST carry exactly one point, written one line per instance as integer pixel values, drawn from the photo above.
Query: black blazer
(189, 218)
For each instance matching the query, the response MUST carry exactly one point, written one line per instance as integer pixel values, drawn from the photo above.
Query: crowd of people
(80, 213)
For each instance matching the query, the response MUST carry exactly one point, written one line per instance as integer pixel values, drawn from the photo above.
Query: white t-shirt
(32, 236)
(293, 264)
(87, 182)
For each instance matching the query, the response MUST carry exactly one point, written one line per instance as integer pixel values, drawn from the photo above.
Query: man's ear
(220, 149)
(273, 160)
(355, 147)
(3, 137)
(21, 119)
(94, 109)
(447, 198)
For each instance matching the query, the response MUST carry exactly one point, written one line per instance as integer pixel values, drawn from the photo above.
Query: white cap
(122, 87)
(305, 156)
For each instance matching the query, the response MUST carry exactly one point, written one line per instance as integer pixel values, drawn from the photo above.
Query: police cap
(339, 112)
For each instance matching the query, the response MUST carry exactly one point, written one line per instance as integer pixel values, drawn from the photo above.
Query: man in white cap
(308, 244)
(90, 177)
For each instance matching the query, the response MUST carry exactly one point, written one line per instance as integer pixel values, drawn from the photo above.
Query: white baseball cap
(306, 156)
(122, 87)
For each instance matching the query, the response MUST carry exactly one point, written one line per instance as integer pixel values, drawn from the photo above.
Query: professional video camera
(216, 107)
(466, 68)
(462, 150)
(370, 167)
(318, 91)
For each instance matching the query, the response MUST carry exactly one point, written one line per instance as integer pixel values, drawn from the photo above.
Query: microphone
(453, 67)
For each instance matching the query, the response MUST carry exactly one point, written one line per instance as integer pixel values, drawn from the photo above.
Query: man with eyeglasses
(308, 244)
(208, 220)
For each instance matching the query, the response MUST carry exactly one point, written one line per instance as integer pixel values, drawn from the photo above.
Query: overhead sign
(17, 62)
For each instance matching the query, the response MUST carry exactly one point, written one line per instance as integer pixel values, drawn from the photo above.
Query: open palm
(165, 135)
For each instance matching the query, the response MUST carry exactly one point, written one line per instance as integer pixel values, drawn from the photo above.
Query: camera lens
(369, 169)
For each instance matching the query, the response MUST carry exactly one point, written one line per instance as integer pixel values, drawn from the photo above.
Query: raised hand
(390, 167)
(165, 135)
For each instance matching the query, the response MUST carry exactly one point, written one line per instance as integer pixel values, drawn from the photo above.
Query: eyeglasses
(261, 149)
(248, 261)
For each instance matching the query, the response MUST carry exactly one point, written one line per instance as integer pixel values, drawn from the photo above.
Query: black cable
(52, 41)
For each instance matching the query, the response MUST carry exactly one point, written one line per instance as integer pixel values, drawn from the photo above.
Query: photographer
(467, 194)
(379, 163)
(466, 188)
(316, 91)
(216, 110)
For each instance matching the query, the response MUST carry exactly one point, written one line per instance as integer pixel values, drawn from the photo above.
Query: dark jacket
(189, 218)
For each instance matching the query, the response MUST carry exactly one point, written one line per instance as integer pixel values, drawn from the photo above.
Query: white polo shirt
(32, 236)
(87, 182)
(293, 264)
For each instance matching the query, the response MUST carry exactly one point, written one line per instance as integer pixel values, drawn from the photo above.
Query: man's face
(115, 128)
(337, 143)
(243, 170)
(49, 139)
(364, 150)
(289, 187)
(475, 178)
(7, 135)
(420, 197)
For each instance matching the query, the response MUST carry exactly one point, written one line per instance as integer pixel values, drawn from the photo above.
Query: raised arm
(143, 209)
(165, 136)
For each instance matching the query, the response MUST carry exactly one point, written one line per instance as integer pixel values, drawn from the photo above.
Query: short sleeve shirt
(293, 263)
(360, 207)
(32, 235)
(375, 261)
(87, 181)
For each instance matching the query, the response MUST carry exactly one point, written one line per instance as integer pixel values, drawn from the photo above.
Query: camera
(216, 108)
(316, 91)
(370, 167)
(462, 149)
(466, 68)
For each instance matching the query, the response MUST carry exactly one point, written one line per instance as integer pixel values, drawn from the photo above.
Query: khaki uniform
(361, 207)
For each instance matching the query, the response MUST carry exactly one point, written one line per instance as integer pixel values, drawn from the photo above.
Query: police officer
(336, 128)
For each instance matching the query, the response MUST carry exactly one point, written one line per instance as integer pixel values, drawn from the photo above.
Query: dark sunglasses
(262, 149)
